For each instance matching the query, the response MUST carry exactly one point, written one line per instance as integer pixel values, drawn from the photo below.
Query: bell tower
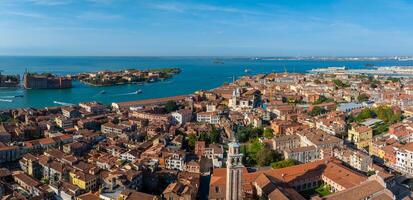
(234, 172)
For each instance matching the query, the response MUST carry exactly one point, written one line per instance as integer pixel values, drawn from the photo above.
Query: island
(9, 80)
(129, 76)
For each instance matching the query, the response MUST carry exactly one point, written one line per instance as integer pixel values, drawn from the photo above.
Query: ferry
(138, 92)
(247, 70)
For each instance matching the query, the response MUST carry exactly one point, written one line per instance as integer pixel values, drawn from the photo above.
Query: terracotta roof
(150, 101)
(88, 196)
(359, 192)
(26, 179)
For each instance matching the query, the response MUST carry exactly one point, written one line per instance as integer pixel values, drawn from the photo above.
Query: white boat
(137, 92)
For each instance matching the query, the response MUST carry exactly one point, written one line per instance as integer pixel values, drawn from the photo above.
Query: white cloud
(98, 16)
(177, 7)
(50, 2)
(24, 14)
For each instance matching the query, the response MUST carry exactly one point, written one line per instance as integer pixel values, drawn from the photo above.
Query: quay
(386, 71)
(148, 102)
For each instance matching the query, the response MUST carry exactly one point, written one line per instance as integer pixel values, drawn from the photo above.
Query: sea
(198, 73)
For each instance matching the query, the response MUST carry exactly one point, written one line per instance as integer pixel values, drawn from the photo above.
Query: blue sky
(206, 28)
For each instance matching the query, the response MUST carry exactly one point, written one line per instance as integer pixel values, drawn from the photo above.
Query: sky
(206, 28)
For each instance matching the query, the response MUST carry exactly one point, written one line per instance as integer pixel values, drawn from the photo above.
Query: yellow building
(376, 148)
(360, 135)
(83, 180)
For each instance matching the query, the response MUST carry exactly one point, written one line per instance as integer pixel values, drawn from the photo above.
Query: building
(175, 160)
(360, 135)
(83, 180)
(46, 81)
(404, 162)
(93, 107)
(117, 129)
(302, 154)
(70, 112)
(234, 172)
(286, 142)
(285, 183)
(373, 188)
(9, 80)
(30, 164)
(208, 117)
(354, 158)
(148, 102)
(8, 153)
(64, 122)
(182, 116)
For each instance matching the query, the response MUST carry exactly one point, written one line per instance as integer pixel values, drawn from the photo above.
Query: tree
(317, 111)
(268, 133)
(366, 113)
(362, 97)
(171, 106)
(283, 163)
(191, 141)
(245, 133)
(340, 83)
(387, 114)
(322, 99)
(214, 136)
(266, 156)
(260, 154)
(394, 80)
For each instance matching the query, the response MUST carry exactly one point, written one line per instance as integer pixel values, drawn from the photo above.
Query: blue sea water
(197, 73)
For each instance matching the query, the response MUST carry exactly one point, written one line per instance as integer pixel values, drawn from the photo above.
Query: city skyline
(207, 28)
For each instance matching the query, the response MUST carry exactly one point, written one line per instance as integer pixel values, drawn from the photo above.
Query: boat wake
(130, 93)
(6, 100)
(11, 97)
(7, 97)
(63, 103)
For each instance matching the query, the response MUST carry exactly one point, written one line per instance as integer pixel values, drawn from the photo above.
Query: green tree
(191, 141)
(283, 163)
(215, 136)
(268, 133)
(394, 80)
(171, 106)
(362, 97)
(266, 156)
(317, 111)
(245, 133)
(387, 114)
(366, 113)
(322, 99)
(339, 83)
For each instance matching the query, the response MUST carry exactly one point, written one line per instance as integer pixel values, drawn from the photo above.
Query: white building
(208, 117)
(182, 116)
(404, 159)
(175, 161)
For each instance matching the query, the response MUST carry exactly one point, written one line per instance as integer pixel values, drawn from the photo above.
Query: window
(216, 189)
